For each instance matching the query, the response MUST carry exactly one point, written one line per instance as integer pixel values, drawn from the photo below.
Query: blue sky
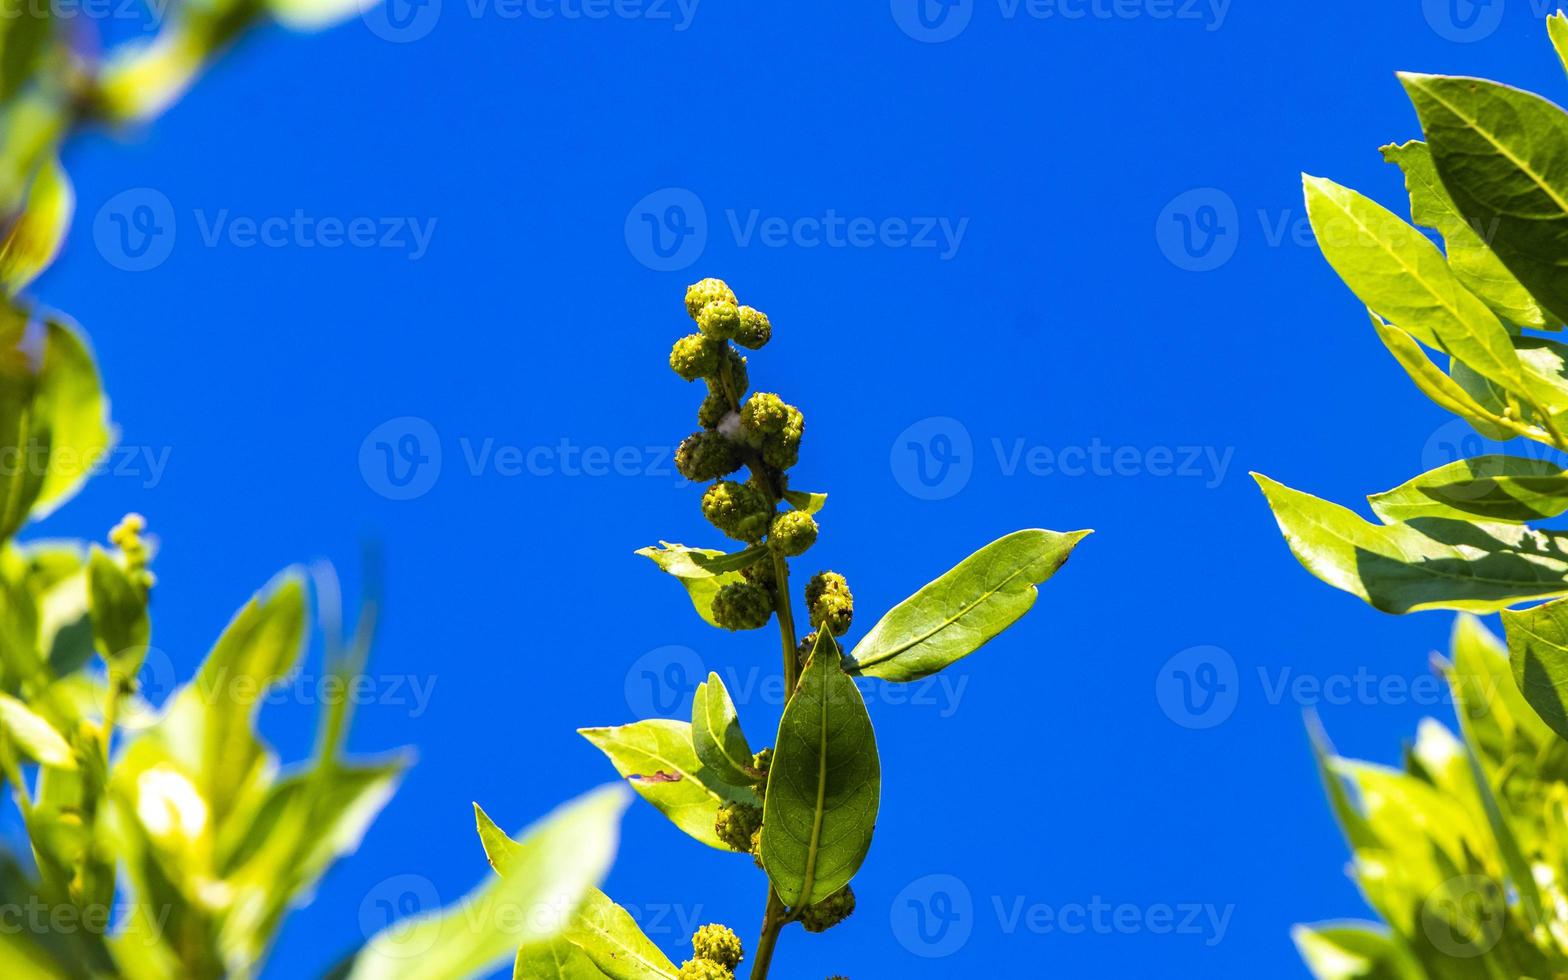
(1028, 265)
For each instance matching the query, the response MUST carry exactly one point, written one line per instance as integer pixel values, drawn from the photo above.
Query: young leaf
(35, 735)
(1557, 27)
(958, 613)
(1428, 564)
(808, 502)
(702, 571)
(609, 937)
(1538, 651)
(1474, 264)
(657, 756)
(1397, 272)
(824, 786)
(716, 734)
(1510, 489)
(1446, 392)
(1498, 151)
(547, 874)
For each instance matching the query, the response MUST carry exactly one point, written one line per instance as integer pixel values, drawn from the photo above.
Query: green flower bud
(793, 532)
(763, 761)
(759, 573)
(713, 408)
(736, 824)
(807, 644)
(742, 606)
(700, 294)
(830, 911)
(718, 944)
(830, 603)
(737, 509)
(695, 356)
(756, 847)
(763, 414)
(705, 456)
(719, 320)
(703, 970)
(754, 329)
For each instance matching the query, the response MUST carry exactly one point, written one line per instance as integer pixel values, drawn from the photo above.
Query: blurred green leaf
(25, 32)
(716, 734)
(1426, 564)
(824, 785)
(35, 735)
(1353, 951)
(962, 610)
(658, 758)
(1510, 489)
(118, 607)
(1499, 153)
(549, 872)
(35, 236)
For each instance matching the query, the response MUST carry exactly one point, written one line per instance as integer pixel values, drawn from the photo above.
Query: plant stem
(111, 714)
(774, 916)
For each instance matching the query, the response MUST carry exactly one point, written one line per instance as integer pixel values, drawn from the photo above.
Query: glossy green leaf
(1399, 274)
(558, 959)
(1510, 489)
(601, 930)
(1426, 564)
(1538, 651)
(36, 736)
(1499, 151)
(1557, 28)
(824, 785)
(549, 872)
(1444, 390)
(1473, 263)
(702, 571)
(716, 734)
(34, 238)
(959, 612)
(658, 758)
(811, 503)
(1353, 951)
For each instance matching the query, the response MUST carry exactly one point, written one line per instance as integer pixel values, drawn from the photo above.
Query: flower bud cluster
(717, 952)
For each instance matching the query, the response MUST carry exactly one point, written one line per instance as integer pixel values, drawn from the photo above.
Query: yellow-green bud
(737, 509)
(793, 532)
(759, 573)
(719, 320)
(695, 356)
(807, 644)
(700, 294)
(775, 426)
(703, 970)
(736, 823)
(127, 536)
(763, 761)
(718, 944)
(764, 414)
(830, 911)
(830, 603)
(713, 408)
(756, 847)
(754, 330)
(704, 456)
(742, 606)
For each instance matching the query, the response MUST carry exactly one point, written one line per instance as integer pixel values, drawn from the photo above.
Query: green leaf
(1447, 392)
(118, 609)
(824, 785)
(1427, 564)
(601, 930)
(555, 960)
(552, 868)
(1499, 152)
(811, 503)
(210, 725)
(1473, 263)
(312, 15)
(1538, 651)
(958, 613)
(703, 571)
(35, 735)
(1398, 273)
(1510, 489)
(1557, 28)
(25, 32)
(1353, 951)
(34, 238)
(716, 734)
(657, 756)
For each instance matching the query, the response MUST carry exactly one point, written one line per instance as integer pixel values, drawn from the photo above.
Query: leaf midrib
(949, 621)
